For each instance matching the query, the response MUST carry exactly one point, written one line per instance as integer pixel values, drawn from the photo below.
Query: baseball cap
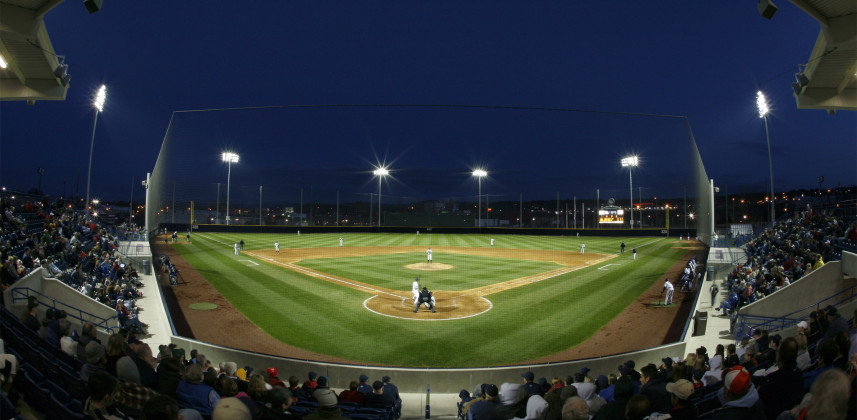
(364, 378)
(272, 371)
(231, 408)
(312, 375)
(668, 362)
(325, 397)
(681, 388)
(584, 370)
(803, 325)
(322, 380)
(528, 376)
(737, 381)
(491, 390)
(630, 364)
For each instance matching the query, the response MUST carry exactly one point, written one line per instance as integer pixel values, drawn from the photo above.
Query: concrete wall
(813, 287)
(80, 308)
(416, 379)
(849, 263)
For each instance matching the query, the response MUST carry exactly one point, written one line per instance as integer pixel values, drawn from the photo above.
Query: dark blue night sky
(700, 60)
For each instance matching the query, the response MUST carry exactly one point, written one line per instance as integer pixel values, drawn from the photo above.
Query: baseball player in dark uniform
(426, 298)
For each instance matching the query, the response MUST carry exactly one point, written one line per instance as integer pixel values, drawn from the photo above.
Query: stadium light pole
(98, 103)
(479, 174)
(229, 158)
(762, 104)
(380, 172)
(630, 162)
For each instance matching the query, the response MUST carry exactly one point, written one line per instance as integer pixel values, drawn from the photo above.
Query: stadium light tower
(98, 103)
(479, 174)
(380, 172)
(762, 104)
(630, 162)
(229, 158)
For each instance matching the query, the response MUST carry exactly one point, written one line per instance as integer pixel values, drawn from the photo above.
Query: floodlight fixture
(380, 172)
(3, 63)
(229, 158)
(98, 103)
(479, 174)
(762, 104)
(100, 97)
(630, 162)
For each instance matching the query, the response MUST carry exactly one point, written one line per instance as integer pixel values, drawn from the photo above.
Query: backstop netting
(313, 166)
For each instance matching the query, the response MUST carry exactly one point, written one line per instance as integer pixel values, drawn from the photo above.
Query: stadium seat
(73, 410)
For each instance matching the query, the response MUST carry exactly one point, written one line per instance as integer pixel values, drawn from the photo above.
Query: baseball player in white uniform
(582, 248)
(236, 248)
(340, 241)
(428, 255)
(415, 289)
(492, 241)
(277, 247)
(668, 287)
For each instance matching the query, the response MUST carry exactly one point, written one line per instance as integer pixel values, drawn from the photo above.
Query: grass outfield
(525, 323)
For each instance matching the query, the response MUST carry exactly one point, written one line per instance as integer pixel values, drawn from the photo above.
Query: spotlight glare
(762, 104)
(100, 97)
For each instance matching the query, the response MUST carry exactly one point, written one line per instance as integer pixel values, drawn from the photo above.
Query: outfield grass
(525, 323)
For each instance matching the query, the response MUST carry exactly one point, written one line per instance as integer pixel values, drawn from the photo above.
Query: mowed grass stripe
(526, 323)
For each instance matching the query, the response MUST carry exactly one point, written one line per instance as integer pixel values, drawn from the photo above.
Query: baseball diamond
(319, 301)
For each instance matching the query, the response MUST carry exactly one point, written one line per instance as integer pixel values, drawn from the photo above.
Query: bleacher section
(49, 379)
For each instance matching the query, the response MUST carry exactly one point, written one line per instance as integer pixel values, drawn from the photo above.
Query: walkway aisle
(153, 311)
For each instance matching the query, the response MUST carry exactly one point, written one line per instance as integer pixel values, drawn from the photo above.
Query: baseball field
(523, 299)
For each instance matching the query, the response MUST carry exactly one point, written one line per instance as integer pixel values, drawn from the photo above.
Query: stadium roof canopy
(31, 63)
(828, 80)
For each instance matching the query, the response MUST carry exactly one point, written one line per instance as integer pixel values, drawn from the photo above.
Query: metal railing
(24, 293)
(745, 324)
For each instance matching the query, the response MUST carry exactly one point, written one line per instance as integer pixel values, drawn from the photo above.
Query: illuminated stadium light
(762, 104)
(479, 174)
(380, 172)
(630, 162)
(229, 158)
(3, 64)
(98, 103)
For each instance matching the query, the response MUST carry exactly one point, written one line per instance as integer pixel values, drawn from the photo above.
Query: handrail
(23, 293)
(788, 320)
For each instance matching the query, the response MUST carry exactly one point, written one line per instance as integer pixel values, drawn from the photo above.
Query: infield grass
(525, 323)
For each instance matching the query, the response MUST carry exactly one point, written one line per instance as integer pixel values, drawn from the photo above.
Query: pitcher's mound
(429, 267)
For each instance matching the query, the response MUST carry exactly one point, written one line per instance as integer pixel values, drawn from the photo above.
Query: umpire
(426, 298)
